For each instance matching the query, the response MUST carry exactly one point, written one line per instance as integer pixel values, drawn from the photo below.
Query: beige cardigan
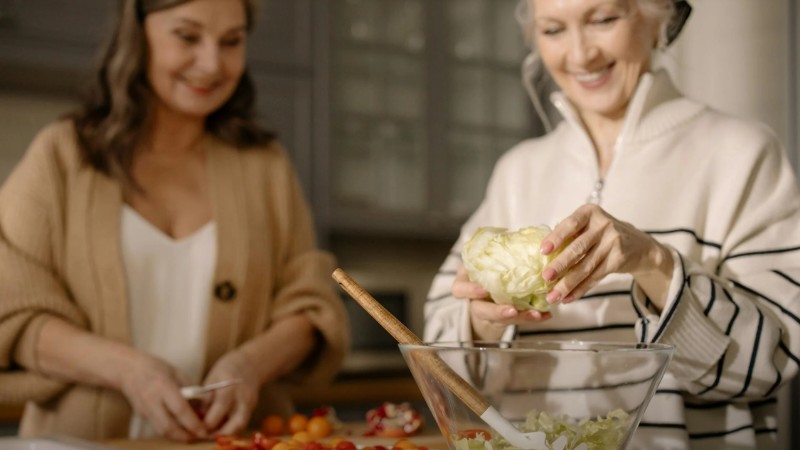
(60, 255)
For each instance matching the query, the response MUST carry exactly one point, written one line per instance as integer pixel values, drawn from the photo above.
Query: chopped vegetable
(393, 420)
(563, 433)
(509, 265)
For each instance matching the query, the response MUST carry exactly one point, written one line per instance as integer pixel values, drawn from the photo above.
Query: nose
(582, 48)
(208, 58)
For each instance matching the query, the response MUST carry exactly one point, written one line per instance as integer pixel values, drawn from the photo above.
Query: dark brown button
(225, 291)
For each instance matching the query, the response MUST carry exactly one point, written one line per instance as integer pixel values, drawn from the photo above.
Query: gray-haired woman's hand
(488, 318)
(595, 245)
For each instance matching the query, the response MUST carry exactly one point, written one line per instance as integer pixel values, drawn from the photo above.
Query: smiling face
(596, 50)
(196, 54)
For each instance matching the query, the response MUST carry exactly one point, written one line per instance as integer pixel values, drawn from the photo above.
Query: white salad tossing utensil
(197, 391)
(535, 440)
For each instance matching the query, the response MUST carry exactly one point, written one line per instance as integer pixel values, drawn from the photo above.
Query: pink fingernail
(553, 296)
(549, 274)
(509, 312)
(546, 247)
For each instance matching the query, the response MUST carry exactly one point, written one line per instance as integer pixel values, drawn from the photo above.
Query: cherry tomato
(263, 442)
(473, 433)
(319, 427)
(296, 423)
(345, 445)
(313, 446)
(405, 443)
(273, 425)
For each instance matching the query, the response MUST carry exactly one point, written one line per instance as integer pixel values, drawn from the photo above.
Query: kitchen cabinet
(423, 97)
(393, 112)
(49, 44)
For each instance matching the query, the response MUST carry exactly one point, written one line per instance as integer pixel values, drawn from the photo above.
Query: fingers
(166, 425)
(164, 422)
(185, 417)
(489, 319)
(220, 408)
(230, 412)
(504, 315)
(575, 251)
(568, 228)
(237, 421)
(576, 264)
(465, 289)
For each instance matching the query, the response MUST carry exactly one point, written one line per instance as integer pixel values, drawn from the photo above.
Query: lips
(593, 79)
(201, 88)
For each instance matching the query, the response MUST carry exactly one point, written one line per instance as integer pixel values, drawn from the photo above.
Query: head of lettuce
(509, 265)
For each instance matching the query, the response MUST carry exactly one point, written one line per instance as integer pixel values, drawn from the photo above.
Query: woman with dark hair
(159, 238)
(675, 223)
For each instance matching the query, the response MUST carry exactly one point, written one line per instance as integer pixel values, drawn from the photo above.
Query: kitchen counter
(430, 437)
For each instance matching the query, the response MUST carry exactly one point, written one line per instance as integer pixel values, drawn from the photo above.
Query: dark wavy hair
(116, 105)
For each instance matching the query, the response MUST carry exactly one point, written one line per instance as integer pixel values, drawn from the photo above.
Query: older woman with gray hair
(675, 223)
(159, 238)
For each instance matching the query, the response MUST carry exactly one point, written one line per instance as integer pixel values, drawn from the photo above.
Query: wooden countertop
(430, 437)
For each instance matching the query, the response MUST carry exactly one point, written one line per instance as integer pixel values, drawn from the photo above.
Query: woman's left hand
(229, 409)
(595, 245)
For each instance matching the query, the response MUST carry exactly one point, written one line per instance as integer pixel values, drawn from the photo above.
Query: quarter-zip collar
(656, 107)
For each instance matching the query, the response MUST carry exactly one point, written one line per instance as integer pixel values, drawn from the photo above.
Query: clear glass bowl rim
(526, 346)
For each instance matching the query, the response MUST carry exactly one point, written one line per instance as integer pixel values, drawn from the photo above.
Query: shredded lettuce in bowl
(562, 433)
(509, 265)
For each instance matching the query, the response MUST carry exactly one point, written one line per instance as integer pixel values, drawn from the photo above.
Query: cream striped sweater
(720, 193)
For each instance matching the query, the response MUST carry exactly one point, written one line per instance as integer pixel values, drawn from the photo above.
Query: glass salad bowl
(558, 395)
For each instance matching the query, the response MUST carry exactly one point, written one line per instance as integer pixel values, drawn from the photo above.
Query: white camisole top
(169, 286)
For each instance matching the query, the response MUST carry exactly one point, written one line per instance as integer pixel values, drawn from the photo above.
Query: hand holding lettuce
(509, 265)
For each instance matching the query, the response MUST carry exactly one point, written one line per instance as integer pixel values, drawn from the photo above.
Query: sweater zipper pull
(595, 195)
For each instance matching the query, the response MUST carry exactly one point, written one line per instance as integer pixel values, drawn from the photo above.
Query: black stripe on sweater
(679, 426)
(669, 392)
(606, 294)
(712, 299)
(762, 403)
(754, 355)
(768, 300)
(642, 318)
(697, 238)
(724, 404)
(758, 253)
(735, 312)
(780, 307)
(782, 345)
(788, 278)
(776, 384)
(716, 434)
(721, 363)
(674, 306)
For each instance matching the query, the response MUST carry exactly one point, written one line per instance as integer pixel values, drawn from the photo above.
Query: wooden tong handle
(463, 390)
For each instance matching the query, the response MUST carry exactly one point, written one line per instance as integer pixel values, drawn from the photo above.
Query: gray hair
(661, 11)
(535, 79)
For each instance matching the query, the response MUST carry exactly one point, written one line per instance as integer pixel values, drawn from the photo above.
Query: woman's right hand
(153, 388)
(488, 318)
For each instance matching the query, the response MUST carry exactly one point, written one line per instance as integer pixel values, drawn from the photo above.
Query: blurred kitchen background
(394, 112)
